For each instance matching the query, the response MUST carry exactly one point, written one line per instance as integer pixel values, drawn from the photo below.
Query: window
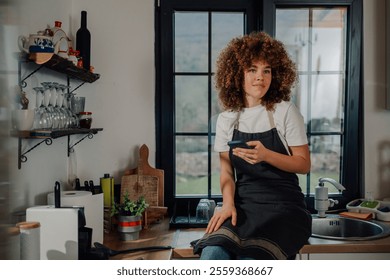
(189, 36)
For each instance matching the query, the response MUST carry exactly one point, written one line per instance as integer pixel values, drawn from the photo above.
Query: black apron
(272, 219)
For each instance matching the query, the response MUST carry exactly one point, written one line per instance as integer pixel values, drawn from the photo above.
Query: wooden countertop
(161, 235)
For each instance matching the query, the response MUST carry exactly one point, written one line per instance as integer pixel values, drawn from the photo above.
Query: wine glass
(38, 107)
(50, 98)
(42, 119)
(58, 106)
(71, 117)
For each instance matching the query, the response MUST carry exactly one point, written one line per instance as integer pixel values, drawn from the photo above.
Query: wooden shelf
(64, 66)
(34, 134)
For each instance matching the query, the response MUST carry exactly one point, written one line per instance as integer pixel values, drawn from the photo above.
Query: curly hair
(239, 55)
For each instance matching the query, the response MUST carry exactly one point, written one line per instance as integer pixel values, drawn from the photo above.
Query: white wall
(376, 117)
(122, 100)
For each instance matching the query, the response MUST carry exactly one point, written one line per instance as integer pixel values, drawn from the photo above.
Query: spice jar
(85, 119)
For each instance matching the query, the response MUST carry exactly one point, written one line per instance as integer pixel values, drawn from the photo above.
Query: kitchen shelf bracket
(75, 87)
(22, 156)
(22, 82)
(70, 147)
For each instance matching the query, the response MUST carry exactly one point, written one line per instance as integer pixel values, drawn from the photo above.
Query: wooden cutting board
(141, 185)
(145, 177)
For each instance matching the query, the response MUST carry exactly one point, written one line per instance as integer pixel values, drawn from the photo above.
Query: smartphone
(239, 144)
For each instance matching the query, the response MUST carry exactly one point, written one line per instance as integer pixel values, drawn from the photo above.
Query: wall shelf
(47, 137)
(60, 65)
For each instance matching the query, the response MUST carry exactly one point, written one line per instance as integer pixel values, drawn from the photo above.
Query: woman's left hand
(255, 155)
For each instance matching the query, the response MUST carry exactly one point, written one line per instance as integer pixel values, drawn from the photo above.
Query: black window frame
(263, 13)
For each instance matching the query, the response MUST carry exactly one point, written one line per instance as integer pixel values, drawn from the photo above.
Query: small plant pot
(129, 227)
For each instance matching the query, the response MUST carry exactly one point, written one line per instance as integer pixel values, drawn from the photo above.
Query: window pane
(325, 158)
(191, 104)
(215, 171)
(191, 165)
(327, 103)
(292, 27)
(329, 39)
(215, 110)
(225, 26)
(191, 42)
(316, 41)
(300, 95)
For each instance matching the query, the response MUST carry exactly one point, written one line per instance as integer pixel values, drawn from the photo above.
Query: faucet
(321, 200)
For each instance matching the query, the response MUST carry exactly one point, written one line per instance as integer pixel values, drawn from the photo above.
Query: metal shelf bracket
(70, 147)
(22, 156)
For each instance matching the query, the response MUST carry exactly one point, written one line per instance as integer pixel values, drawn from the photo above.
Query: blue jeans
(219, 253)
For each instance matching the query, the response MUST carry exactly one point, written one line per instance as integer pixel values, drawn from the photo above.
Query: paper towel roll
(70, 198)
(29, 240)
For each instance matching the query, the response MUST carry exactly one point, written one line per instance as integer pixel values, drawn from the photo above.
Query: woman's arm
(227, 190)
(297, 162)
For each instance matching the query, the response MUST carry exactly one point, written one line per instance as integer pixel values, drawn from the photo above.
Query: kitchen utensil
(146, 169)
(57, 195)
(140, 184)
(107, 252)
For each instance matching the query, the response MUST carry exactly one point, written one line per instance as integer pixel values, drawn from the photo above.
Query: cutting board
(141, 185)
(146, 178)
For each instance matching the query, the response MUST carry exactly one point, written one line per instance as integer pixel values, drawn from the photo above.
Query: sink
(336, 227)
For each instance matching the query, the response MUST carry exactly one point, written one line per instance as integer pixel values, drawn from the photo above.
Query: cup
(203, 211)
(23, 119)
(77, 104)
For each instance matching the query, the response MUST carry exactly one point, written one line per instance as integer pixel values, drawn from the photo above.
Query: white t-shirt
(288, 121)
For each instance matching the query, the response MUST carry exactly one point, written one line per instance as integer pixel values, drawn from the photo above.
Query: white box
(58, 232)
(93, 209)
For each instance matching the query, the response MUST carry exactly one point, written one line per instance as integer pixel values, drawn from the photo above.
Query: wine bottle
(83, 41)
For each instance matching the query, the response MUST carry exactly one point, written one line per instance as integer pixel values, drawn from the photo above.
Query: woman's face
(257, 80)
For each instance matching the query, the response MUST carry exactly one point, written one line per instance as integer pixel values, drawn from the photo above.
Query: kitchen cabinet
(63, 67)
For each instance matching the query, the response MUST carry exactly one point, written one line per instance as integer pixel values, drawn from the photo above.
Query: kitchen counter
(161, 235)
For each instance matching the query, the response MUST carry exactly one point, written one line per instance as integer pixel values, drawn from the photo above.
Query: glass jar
(85, 119)
(218, 207)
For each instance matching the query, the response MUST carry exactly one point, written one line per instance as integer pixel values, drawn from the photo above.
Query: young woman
(264, 215)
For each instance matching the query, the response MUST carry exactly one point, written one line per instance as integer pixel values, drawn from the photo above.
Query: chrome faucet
(321, 200)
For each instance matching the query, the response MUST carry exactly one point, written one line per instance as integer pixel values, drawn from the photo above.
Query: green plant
(129, 207)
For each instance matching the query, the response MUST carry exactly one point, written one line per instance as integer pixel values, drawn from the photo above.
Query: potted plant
(129, 215)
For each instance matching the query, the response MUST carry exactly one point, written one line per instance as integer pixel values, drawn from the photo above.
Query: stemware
(58, 106)
(38, 104)
(49, 100)
(71, 117)
(42, 119)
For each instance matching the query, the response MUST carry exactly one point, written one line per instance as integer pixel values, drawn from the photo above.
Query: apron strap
(235, 126)
(271, 119)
